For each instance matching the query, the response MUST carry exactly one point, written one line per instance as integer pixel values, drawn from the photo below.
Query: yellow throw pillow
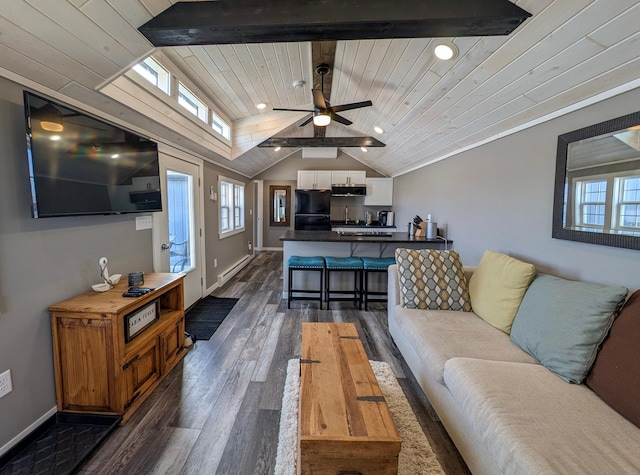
(497, 287)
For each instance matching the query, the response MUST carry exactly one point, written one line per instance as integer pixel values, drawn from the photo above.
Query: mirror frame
(558, 229)
(287, 203)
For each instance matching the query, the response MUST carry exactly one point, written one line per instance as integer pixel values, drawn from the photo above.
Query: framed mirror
(597, 188)
(279, 201)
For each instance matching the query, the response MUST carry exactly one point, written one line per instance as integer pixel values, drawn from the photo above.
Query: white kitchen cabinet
(314, 180)
(379, 192)
(351, 177)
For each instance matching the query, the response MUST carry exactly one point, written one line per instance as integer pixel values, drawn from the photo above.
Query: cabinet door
(323, 180)
(171, 345)
(306, 179)
(340, 177)
(357, 177)
(84, 364)
(379, 192)
(140, 371)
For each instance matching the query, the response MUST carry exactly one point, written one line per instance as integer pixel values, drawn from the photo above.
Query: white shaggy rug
(416, 455)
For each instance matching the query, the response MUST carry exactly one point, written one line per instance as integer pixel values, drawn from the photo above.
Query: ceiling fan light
(321, 120)
(446, 51)
(51, 125)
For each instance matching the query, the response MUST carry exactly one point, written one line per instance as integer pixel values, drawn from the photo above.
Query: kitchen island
(374, 243)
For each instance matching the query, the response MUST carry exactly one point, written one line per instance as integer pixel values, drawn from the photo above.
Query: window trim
(234, 229)
(163, 76)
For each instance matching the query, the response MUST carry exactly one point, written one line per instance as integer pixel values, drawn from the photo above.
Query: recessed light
(446, 50)
(378, 130)
(364, 149)
(277, 149)
(262, 105)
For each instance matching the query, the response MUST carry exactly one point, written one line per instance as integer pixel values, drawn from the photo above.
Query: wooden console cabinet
(98, 367)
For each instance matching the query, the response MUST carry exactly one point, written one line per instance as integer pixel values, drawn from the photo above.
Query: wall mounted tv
(80, 165)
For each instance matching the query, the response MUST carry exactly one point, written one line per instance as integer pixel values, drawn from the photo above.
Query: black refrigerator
(313, 208)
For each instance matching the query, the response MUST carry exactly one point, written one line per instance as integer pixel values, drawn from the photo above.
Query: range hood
(348, 189)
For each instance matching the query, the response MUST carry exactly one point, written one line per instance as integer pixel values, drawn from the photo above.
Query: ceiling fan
(323, 112)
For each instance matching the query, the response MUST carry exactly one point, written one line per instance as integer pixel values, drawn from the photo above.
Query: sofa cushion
(431, 279)
(615, 375)
(562, 322)
(439, 335)
(531, 422)
(497, 287)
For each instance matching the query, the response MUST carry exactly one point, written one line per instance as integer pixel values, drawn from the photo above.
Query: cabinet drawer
(140, 372)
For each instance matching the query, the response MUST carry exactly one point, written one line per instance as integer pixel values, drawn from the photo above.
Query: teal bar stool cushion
(377, 263)
(343, 263)
(314, 262)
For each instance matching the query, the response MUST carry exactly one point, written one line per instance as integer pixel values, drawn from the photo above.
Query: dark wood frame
(127, 331)
(287, 205)
(558, 229)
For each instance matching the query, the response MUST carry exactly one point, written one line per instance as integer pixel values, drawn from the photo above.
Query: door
(177, 240)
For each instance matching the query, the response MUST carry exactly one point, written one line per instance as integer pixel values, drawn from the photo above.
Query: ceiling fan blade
(318, 99)
(354, 105)
(306, 122)
(342, 120)
(292, 110)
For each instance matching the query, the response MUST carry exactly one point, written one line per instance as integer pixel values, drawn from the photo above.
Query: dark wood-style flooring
(218, 411)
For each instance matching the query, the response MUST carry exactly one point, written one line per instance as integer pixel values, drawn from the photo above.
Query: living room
(497, 195)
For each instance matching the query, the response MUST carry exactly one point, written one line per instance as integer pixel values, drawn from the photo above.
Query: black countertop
(332, 236)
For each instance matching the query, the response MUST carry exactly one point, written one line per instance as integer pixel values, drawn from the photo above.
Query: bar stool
(344, 264)
(374, 264)
(300, 263)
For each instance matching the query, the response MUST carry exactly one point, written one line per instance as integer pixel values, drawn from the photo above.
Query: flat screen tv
(80, 165)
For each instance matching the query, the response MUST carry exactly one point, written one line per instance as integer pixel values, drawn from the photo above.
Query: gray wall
(231, 249)
(500, 196)
(45, 261)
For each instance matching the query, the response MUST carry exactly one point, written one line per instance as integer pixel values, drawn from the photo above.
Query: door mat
(204, 318)
(59, 446)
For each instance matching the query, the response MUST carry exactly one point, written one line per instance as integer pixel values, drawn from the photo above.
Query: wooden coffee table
(344, 423)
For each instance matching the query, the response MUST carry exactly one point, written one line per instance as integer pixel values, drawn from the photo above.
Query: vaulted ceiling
(569, 51)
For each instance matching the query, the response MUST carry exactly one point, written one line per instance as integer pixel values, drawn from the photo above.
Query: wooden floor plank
(218, 411)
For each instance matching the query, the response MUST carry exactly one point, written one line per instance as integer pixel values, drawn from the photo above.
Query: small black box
(136, 279)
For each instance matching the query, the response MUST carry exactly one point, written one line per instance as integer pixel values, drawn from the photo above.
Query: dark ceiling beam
(257, 21)
(321, 142)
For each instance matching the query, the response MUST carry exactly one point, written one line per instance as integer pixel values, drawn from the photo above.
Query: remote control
(133, 294)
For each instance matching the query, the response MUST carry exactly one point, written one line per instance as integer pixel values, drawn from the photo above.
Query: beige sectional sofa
(506, 412)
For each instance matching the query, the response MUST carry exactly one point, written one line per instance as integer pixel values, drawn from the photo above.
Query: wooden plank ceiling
(567, 52)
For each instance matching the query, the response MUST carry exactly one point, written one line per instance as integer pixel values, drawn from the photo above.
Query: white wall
(500, 196)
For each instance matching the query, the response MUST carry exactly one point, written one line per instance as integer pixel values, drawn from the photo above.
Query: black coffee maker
(383, 218)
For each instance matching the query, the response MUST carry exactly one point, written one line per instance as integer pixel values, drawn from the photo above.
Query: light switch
(143, 222)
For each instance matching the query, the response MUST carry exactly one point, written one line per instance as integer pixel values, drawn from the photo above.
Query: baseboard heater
(233, 270)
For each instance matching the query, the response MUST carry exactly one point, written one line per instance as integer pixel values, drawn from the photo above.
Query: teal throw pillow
(561, 323)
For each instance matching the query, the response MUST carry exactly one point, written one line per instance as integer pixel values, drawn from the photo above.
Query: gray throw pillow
(561, 323)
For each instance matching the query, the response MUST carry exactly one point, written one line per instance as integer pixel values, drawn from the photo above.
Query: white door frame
(258, 192)
(157, 240)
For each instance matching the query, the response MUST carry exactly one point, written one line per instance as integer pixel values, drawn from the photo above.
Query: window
(593, 196)
(231, 210)
(151, 70)
(220, 126)
(628, 206)
(189, 101)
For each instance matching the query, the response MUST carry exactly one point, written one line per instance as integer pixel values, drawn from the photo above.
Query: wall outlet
(250, 245)
(5, 383)
(215, 263)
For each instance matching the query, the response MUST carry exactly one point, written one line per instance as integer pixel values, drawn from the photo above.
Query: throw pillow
(432, 280)
(497, 287)
(615, 375)
(561, 323)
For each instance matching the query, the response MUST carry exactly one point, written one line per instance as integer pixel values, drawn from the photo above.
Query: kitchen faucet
(346, 215)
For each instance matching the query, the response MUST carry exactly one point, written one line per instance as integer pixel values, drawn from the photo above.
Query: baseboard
(16, 440)
(232, 270)
(272, 249)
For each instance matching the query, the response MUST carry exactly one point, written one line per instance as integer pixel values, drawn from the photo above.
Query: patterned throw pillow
(432, 280)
